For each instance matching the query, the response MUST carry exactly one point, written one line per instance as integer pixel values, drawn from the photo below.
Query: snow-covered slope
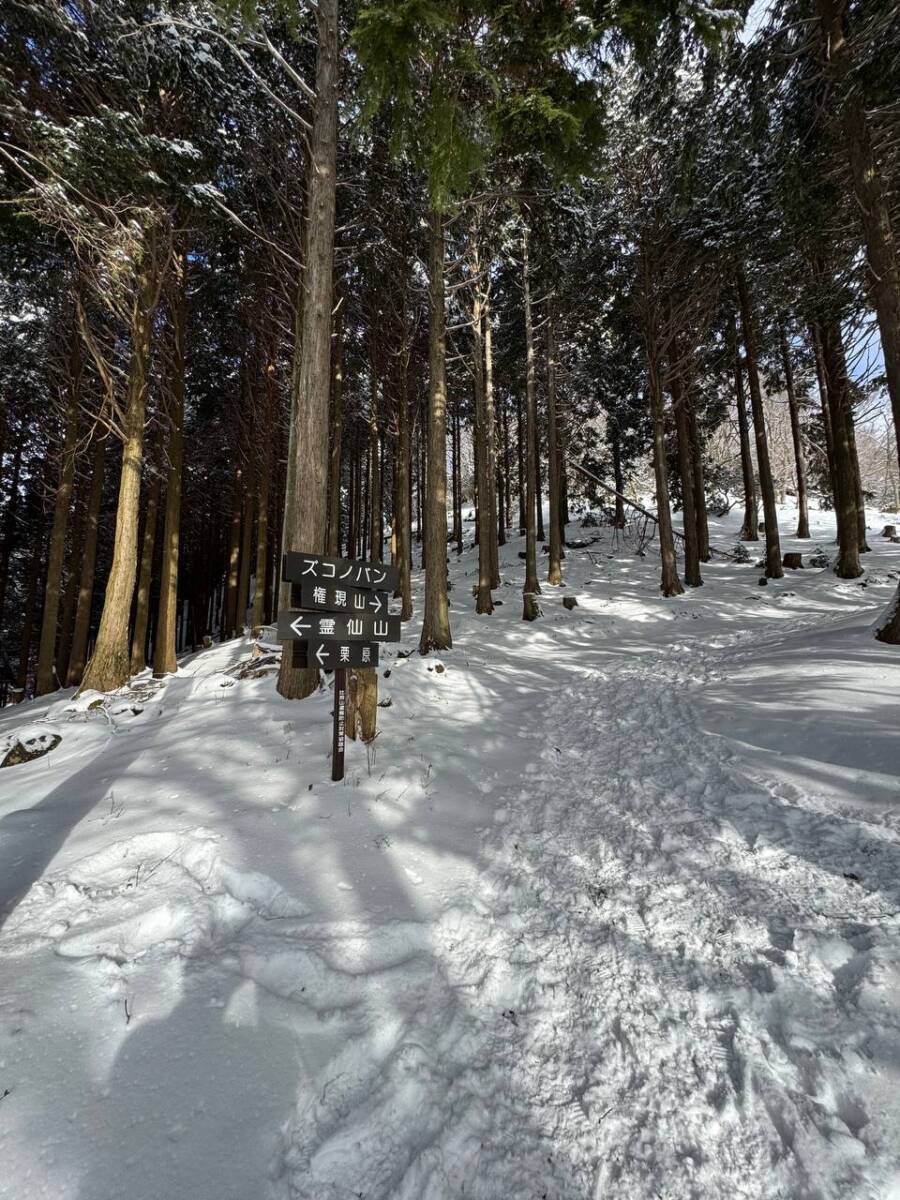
(610, 908)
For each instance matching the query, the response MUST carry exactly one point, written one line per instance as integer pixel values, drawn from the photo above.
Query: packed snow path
(612, 913)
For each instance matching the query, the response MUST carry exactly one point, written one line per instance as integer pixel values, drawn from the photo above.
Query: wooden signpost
(337, 620)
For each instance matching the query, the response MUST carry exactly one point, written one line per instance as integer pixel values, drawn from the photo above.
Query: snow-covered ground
(609, 909)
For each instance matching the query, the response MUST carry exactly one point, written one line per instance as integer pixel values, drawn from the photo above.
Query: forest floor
(611, 908)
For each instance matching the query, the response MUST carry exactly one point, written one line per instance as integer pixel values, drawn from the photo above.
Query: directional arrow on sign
(302, 625)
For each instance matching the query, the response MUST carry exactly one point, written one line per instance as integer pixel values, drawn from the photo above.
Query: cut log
(794, 562)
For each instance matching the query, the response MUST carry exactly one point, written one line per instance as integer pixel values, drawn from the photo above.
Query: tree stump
(570, 602)
(794, 562)
(889, 531)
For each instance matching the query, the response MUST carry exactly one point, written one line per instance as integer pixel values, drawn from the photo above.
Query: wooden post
(340, 712)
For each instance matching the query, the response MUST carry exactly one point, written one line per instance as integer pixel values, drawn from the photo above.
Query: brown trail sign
(340, 618)
(335, 656)
(330, 597)
(317, 568)
(342, 627)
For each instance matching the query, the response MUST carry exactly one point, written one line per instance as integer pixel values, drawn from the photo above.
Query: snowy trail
(612, 913)
(648, 980)
(718, 984)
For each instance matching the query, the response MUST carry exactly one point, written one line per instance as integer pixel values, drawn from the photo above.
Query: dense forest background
(318, 276)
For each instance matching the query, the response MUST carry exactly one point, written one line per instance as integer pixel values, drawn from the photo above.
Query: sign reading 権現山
(339, 615)
(338, 597)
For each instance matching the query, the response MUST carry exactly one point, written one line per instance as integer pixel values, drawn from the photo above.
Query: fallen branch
(645, 512)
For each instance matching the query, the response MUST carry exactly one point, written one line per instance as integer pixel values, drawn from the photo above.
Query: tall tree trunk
(306, 486)
(421, 477)
(485, 523)
(506, 517)
(864, 546)
(230, 622)
(165, 661)
(351, 497)
(364, 523)
(530, 607)
(692, 575)
(796, 434)
(402, 467)
(436, 623)
(538, 476)
(84, 604)
(615, 443)
(670, 584)
(376, 541)
(816, 343)
(142, 606)
(262, 541)
(46, 674)
(844, 483)
(67, 621)
(774, 568)
(750, 527)
(562, 433)
(554, 567)
(502, 425)
(872, 198)
(337, 429)
(243, 591)
(881, 250)
(456, 482)
(520, 459)
(29, 614)
(699, 477)
(490, 435)
(110, 661)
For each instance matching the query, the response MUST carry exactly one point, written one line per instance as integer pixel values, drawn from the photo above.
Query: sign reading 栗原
(333, 656)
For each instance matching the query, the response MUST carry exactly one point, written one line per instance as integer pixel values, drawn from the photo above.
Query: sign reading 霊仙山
(342, 627)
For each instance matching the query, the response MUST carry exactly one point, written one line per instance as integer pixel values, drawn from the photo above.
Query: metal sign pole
(340, 713)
